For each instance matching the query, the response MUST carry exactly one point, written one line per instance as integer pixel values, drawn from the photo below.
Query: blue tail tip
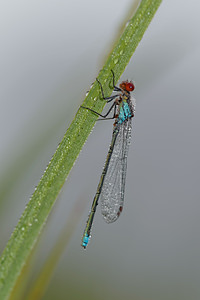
(85, 240)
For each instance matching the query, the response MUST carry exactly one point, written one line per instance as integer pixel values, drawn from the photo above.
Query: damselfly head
(127, 86)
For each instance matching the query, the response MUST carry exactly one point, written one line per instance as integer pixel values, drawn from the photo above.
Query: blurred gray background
(51, 52)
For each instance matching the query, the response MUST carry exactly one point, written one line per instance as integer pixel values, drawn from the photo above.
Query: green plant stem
(32, 220)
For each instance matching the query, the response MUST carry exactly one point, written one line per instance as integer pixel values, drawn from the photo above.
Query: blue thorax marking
(124, 113)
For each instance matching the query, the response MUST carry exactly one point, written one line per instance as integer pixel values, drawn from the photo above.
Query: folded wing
(112, 193)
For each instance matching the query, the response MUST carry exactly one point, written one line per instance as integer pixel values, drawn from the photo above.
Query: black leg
(108, 99)
(114, 115)
(103, 116)
(102, 93)
(115, 88)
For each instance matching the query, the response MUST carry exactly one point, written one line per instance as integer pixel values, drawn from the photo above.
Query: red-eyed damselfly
(111, 186)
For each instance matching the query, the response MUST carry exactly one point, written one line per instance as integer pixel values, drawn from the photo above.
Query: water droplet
(127, 23)
(29, 224)
(116, 61)
(121, 52)
(136, 23)
(86, 93)
(126, 41)
(23, 228)
(36, 220)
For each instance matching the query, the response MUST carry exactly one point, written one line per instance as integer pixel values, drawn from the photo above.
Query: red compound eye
(130, 86)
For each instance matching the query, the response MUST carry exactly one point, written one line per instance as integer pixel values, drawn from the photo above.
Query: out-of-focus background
(51, 52)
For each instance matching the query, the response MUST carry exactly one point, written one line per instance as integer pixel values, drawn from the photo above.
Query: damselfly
(111, 186)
